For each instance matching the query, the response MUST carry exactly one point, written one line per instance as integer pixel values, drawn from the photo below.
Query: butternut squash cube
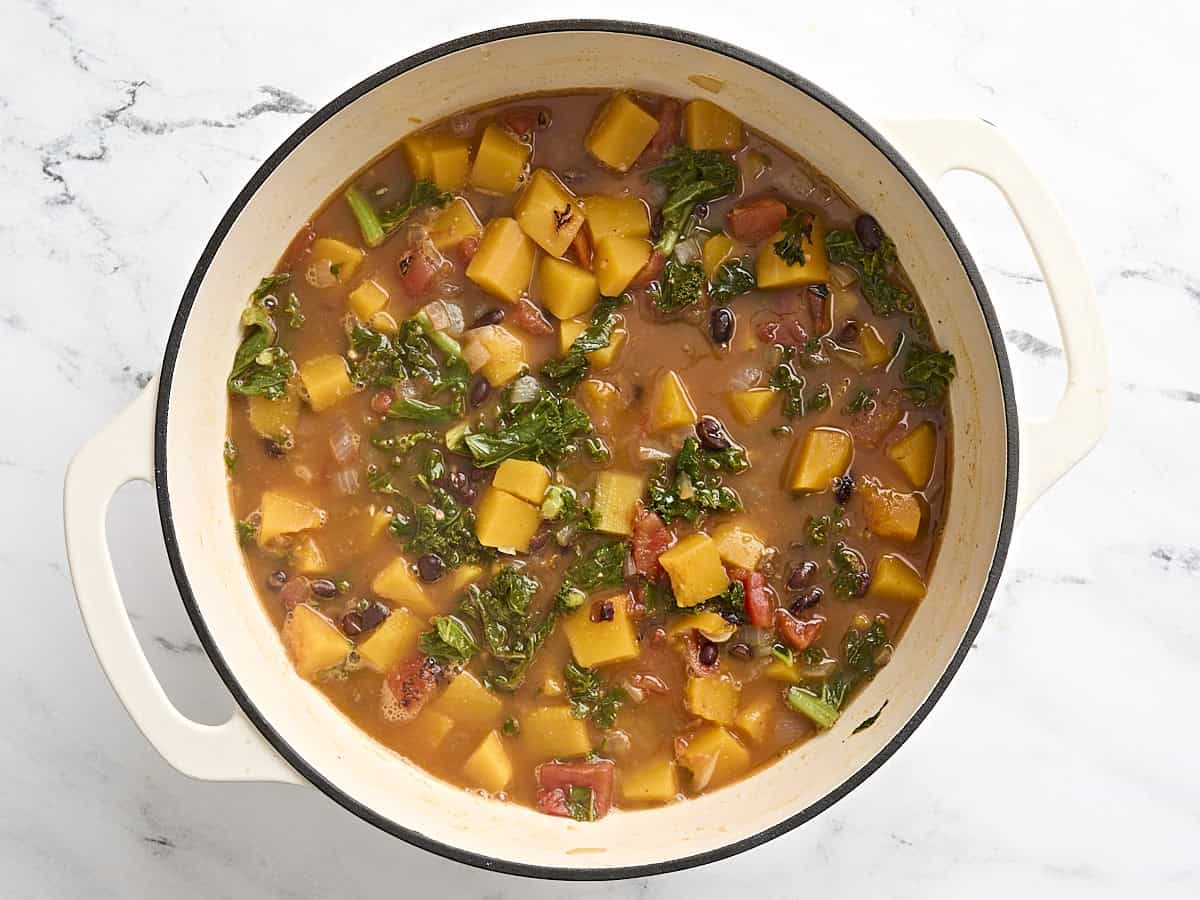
(601, 643)
(715, 743)
(505, 353)
(673, 407)
(890, 514)
(914, 454)
(450, 160)
(875, 349)
(714, 698)
(384, 321)
(307, 558)
(822, 456)
(470, 705)
(462, 576)
(499, 161)
(694, 566)
(282, 515)
(343, 259)
(569, 329)
(489, 766)
(506, 521)
(602, 400)
(396, 582)
(750, 406)
(314, 643)
(367, 299)
(392, 641)
(715, 251)
(326, 380)
(895, 579)
(617, 260)
(616, 216)
(620, 133)
(754, 719)
(567, 290)
(417, 153)
(549, 213)
(453, 225)
(504, 261)
(772, 272)
(778, 670)
(380, 520)
(739, 546)
(430, 729)
(522, 478)
(615, 500)
(652, 782)
(275, 419)
(551, 732)
(708, 127)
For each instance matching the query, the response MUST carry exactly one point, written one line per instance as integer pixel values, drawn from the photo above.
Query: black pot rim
(167, 520)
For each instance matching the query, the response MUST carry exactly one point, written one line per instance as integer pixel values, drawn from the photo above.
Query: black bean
(801, 575)
(430, 567)
(460, 486)
(489, 317)
(373, 615)
(810, 598)
(602, 611)
(277, 579)
(869, 234)
(720, 324)
(712, 434)
(740, 650)
(843, 488)
(352, 623)
(708, 652)
(479, 392)
(324, 588)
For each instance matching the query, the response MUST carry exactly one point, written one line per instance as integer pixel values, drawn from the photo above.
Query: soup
(589, 450)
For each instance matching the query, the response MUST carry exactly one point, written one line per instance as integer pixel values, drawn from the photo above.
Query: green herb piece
(565, 373)
(730, 604)
(266, 286)
(410, 409)
(820, 528)
(821, 399)
(681, 284)
(400, 445)
(291, 308)
(450, 641)
(849, 571)
(797, 231)
(870, 720)
(604, 566)
(691, 485)
(803, 701)
(597, 450)
(260, 369)
(581, 803)
(874, 269)
(791, 385)
(247, 530)
(570, 516)
(589, 698)
(863, 399)
(230, 454)
(546, 429)
(691, 177)
(441, 525)
(927, 375)
(732, 279)
(377, 226)
(510, 728)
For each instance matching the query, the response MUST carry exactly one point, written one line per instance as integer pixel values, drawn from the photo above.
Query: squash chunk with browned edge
(392, 641)
(602, 642)
(914, 454)
(694, 565)
(894, 579)
(772, 271)
(489, 766)
(890, 514)
(396, 582)
(617, 260)
(326, 381)
(708, 127)
(551, 732)
(823, 455)
(522, 478)
(549, 213)
(673, 408)
(616, 499)
(714, 750)
(499, 162)
(504, 261)
(506, 522)
(620, 132)
(313, 641)
(565, 289)
(652, 782)
(616, 217)
(281, 514)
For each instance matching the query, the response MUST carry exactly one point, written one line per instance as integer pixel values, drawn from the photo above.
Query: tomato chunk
(419, 268)
(408, 687)
(651, 538)
(554, 779)
(756, 220)
(758, 601)
(669, 115)
(797, 633)
(527, 316)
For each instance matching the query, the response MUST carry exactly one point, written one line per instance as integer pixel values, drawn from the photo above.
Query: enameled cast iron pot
(287, 731)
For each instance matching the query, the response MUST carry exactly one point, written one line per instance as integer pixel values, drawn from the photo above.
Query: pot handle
(123, 452)
(1049, 447)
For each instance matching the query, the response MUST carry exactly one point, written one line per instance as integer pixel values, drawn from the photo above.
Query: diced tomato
(525, 120)
(419, 268)
(526, 315)
(581, 247)
(466, 249)
(758, 601)
(408, 686)
(650, 271)
(797, 633)
(554, 778)
(817, 296)
(871, 424)
(667, 134)
(651, 538)
(768, 331)
(756, 220)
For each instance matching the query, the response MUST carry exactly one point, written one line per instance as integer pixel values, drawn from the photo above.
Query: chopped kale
(260, 369)
(571, 517)
(565, 373)
(820, 528)
(247, 530)
(681, 284)
(510, 728)
(450, 640)
(440, 525)
(377, 226)
(589, 698)
(849, 573)
(731, 279)
(927, 375)
(691, 486)
(875, 269)
(546, 429)
(797, 231)
(691, 177)
(870, 720)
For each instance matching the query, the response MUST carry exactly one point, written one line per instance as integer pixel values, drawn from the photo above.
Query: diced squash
(652, 782)
(522, 478)
(620, 133)
(367, 299)
(716, 250)
(454, 224)
(755, 719)
(429, 729)
(875, 349)
(499, 161)
(566, 290)
(506, 521)
(343, 259)
(505, 353)
(549, 213)
(715, 743)
(616, 216)
(275, 419)
(392, 641)
(504, 261)
(602, 400)
(551, 732)
(307, 558)
(712, 626)
(894, 579)
(396, 582)
(462, 576)
(450, 160)
(615, 500)
(314, 642)
(617, 260)
(470, 705)
(282, 515)
(569, 329)
(739, 546)
(326, 381)
(489, 766)
(822, 456)
(417, 152)
(713, 698)
(772, 272)
(750, 406)
(778, 670)
(890, 514)
(380, 520)
(708, 127)
(914, 454)
(673, 407)
(694, 566)
(384, 321)
(601, 643)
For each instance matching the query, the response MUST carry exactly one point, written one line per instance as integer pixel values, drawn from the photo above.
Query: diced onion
(456, 318)
(746, 378)
(652, 454)
(702, 773)
(475, 355)
(842, 276)
(438, 316)
(346, 482)
(343, 442)
(525, 389)
(320, 274)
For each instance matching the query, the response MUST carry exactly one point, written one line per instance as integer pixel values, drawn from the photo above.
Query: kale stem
(440, 339)
(368, 222)
(823, 714)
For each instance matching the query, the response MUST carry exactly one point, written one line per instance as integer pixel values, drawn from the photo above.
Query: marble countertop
(1062, 761)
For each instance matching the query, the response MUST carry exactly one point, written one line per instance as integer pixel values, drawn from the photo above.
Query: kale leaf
(450, 640)
(377, 226)
(850, 577)
(731, 279)
(589, 698)
(565, 373)
(691, 486)
(691, 177)
(260, 369)
(571, 517)
(927, 375)
(682, 284)
(797, 231)
(874, 269)
(546, 430)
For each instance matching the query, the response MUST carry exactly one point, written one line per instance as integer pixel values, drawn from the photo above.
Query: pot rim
(247, 705)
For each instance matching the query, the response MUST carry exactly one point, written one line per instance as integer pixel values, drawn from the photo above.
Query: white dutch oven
(286, 731)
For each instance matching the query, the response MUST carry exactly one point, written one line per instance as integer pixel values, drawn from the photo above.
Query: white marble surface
(1062, 762)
